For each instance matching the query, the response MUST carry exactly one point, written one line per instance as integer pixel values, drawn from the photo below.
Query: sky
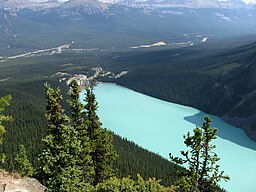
(250, 1)
(247, 1)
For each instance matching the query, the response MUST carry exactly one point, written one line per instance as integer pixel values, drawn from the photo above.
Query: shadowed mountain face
(236, 100)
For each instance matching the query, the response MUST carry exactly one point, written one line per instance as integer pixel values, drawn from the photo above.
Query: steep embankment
(236, 90)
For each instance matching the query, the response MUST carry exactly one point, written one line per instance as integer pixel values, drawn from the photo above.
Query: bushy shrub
(128, 185)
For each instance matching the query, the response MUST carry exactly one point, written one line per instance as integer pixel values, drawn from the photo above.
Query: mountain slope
(237, 90)
(223, 83)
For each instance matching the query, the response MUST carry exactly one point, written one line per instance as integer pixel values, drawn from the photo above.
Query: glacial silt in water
(159, 126)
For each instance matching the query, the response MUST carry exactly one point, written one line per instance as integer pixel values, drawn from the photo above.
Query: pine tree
(59, 169)
(22, 164)
(4, 101)
(202, 174)
(78, 117)
(103, 153)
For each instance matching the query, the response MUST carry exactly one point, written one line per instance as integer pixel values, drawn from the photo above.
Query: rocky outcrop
(10, 182)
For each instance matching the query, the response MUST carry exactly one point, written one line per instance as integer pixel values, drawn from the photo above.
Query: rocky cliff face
(13, 183)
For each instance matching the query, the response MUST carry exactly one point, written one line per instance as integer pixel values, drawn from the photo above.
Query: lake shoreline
(235, 122)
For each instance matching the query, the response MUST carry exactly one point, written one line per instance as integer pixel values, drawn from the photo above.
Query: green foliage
(22, 164)
(59, 169)
(77, 152)
(114, 184)
(202, 174)
(4, 101)
(103, 153)
(29, 126)
(78, 122)
(128, 185)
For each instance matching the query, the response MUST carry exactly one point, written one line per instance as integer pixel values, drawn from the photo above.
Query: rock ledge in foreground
(13, 183)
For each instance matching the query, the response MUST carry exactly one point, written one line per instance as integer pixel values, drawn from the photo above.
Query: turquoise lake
(159, 126)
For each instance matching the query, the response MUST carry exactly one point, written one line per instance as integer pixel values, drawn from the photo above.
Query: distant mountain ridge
(110, 8)
(17, 5)
(229, 4)
(14, 4)
(91, 7)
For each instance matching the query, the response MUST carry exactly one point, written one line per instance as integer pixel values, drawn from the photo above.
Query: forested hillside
(218, 83)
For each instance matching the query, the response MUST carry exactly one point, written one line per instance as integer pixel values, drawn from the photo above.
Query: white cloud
(250, 1)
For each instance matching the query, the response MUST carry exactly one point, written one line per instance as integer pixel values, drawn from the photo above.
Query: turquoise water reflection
(159, 126)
